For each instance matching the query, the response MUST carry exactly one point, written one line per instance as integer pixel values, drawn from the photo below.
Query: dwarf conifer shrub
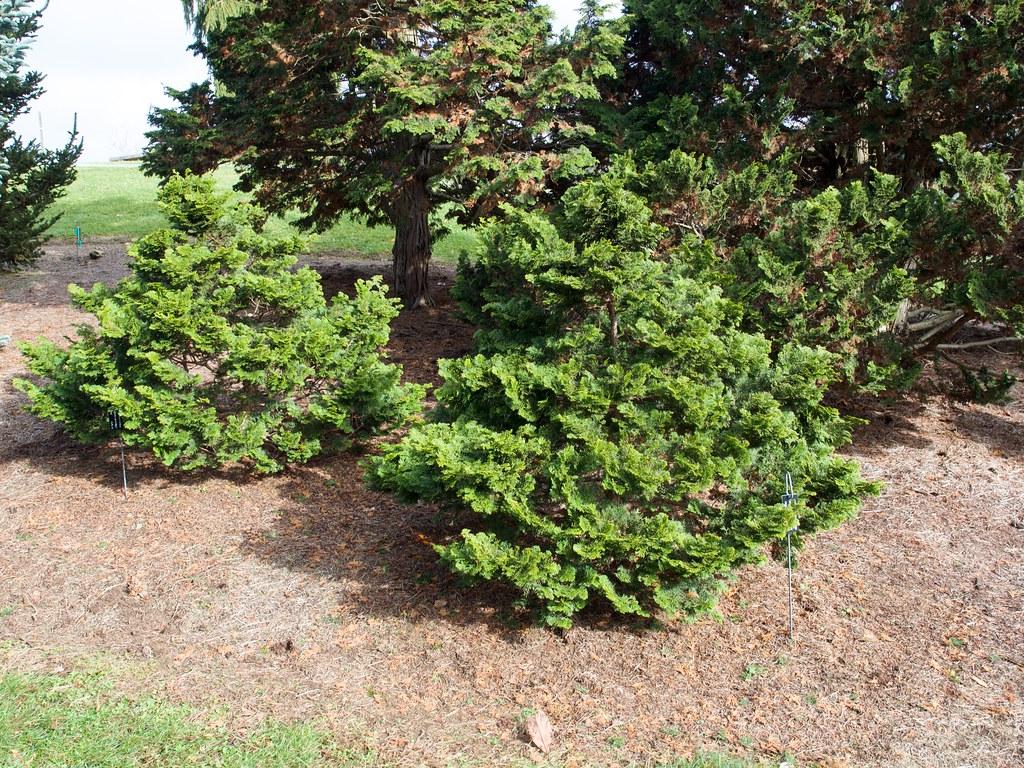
(877, 276)
(217, 349)
(617, 437)
(825, 270)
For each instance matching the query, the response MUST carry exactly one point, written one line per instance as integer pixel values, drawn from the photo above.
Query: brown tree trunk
(411, 254)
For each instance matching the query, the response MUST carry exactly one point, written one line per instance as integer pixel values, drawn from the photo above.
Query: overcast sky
(109, 60)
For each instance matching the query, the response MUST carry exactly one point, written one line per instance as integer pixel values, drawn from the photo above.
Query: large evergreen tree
(898, 124)
(31, 178)
(391, 109)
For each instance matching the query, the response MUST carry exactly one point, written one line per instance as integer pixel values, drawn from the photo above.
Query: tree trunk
(412, 244)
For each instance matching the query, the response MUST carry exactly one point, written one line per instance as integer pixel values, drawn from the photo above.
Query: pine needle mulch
(308, 596)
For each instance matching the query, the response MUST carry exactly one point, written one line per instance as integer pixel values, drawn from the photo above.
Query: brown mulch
(308, 596)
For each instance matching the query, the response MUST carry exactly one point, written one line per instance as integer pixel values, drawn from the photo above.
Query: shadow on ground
(51, 451)
(1000, 433)
(334, 527)
(889, 423)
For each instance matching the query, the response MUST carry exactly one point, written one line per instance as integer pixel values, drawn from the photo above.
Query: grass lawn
(74, 720)
(117, 200)
(77, 720)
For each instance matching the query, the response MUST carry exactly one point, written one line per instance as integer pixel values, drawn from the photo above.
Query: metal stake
(788, 499)
(124, 478)
(116, 422)
(789, 567)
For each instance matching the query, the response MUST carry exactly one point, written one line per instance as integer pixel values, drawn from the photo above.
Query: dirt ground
(307, 596)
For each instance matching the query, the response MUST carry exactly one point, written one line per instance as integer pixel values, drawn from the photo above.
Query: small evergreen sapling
(217, 350)
(32, 178)
(617, 437)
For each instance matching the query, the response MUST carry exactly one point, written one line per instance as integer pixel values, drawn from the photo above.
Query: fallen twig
(989, 342)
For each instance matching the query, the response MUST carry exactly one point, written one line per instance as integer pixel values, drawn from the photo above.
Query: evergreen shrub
(617, 437)
(218, 350)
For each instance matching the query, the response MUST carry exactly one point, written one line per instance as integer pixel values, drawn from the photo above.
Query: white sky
(109, 60)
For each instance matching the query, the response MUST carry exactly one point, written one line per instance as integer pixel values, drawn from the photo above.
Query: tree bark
(411, 253)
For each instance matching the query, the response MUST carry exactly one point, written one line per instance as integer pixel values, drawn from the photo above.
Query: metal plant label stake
(116, 422)
(789, 499)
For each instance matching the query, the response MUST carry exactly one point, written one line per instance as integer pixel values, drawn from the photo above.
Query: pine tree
(11, 55)
(392, 110)
(31, 178)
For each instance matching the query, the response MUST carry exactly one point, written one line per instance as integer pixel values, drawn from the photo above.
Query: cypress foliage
(217, 350)
(888, 143)
(617, 437)
(390, 110)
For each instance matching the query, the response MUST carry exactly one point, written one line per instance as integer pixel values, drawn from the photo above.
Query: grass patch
(75, 720)
(117, 200)
(707, 760)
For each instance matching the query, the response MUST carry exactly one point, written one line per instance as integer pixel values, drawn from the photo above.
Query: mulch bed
(308, 596)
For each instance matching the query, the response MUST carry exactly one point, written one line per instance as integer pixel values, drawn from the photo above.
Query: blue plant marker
(79, 242)
(789, 498)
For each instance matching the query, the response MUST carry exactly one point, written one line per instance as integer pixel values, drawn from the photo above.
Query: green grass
(75, 720)
(117, 200)
(708, 760)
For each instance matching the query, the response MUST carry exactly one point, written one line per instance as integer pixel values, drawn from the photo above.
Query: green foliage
(216, 350)
(983, 386)
(31, 177)
(829, 270)
(191, 204)
(12, 54)
(389, 110)
(214, 14)
(836, 268)
(185, 137)
(969, 229)
(851, 87)
(826, 270)
(618, 437)
(851, 163)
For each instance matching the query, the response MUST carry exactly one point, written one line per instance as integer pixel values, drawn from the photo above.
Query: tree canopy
(856, 166)
(391, 110)
(853, 86)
